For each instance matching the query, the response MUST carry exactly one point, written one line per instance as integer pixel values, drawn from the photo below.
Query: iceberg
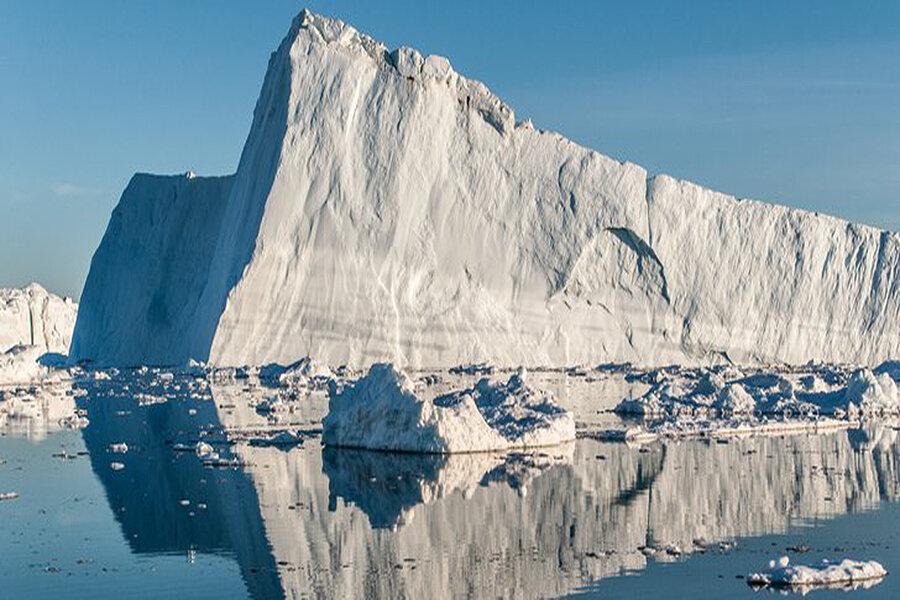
(386, 208)
(382, 411)
(32, 316)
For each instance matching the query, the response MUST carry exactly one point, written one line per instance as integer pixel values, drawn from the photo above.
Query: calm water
(312, 522)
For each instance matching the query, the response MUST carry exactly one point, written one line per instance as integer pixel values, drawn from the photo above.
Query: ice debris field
(479, 408)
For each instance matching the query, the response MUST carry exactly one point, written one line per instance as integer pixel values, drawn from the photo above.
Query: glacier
(387, 209)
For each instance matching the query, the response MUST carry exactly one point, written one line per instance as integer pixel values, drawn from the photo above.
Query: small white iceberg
(382, 411)
(847, 572)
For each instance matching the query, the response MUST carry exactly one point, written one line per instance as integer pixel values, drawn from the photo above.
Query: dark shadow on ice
(175, 247)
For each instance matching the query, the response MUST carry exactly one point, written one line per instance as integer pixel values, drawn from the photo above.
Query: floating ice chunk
(381, 411)
(119, 448)
(304, 372)
(872, 394)
(782, 573)
(283, 439)
(734, 399)
(116, 466)
(206, 452)
(473, 369)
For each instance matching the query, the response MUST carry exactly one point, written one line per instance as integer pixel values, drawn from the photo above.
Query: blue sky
(792, 102)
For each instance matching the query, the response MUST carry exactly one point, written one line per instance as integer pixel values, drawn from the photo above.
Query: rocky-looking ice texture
(782, 573)
(382, 411)
(832, 390)
(726, 401)
(32, 316)
(386, 208)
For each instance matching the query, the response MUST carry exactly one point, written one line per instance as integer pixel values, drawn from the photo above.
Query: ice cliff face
(143, 290)
(387, 208)
(32, 316)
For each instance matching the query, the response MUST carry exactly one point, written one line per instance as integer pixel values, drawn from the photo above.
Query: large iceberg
(386, 208)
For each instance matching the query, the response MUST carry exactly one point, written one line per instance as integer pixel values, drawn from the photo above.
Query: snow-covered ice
(782, 573)
(338, 238)
(382, 411)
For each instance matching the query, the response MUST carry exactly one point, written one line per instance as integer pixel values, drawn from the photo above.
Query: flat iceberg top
(382, 411)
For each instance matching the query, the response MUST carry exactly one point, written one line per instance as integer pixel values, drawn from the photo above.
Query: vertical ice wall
(387, 208)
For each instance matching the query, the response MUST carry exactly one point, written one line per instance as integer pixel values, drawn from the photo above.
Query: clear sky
(793, 102)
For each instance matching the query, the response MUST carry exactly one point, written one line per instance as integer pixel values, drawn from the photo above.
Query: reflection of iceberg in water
(388, 486)
(339, 523)
(146, 496)
(33, 411)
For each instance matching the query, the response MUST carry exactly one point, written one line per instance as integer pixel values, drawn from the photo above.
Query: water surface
(598, 519)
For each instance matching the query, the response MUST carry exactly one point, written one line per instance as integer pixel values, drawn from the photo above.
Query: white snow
(382, 411)
(781, 572)
(32, 316)
(386, 208)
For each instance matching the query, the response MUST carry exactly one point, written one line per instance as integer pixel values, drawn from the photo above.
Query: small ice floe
(872, 395)
(116, 466)
(847, 573)
(306, 372)
(150, 399)
(473, 369)
(8, 496)
(118, 448)
(206, 452)
(283, 439)
(382, 411)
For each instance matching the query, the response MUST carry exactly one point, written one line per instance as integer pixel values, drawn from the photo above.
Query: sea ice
(782, 573)
(382, 411)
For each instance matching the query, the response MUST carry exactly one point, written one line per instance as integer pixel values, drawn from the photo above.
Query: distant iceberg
(32, 316)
